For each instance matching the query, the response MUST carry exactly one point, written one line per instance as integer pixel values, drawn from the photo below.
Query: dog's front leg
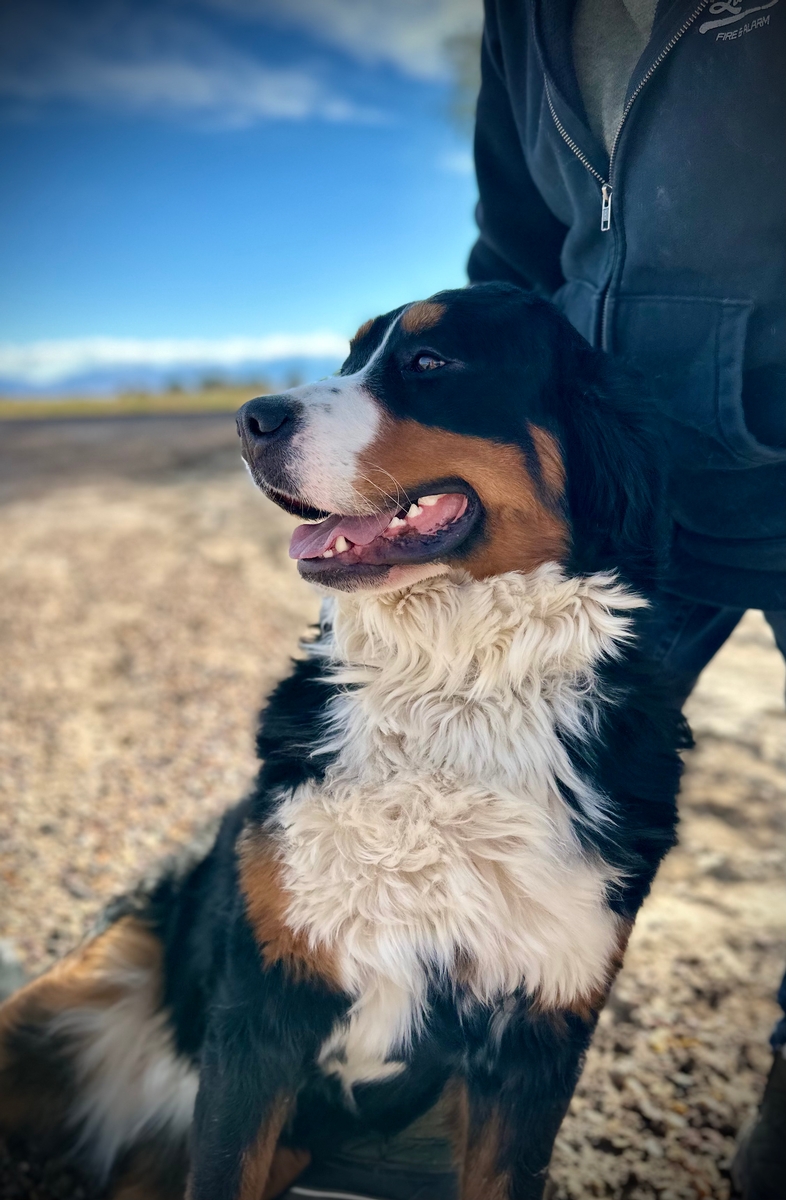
(512, 1099)
(245, 1097)
(264, 1032)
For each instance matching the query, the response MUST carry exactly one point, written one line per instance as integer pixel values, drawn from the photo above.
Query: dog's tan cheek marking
(422, 315)
(86, 978)
(362, 331)
(521, 530)
(267, 902)
(476, 1148)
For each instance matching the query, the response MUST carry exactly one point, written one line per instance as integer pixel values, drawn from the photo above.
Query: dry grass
(141, 622)
(209, 399)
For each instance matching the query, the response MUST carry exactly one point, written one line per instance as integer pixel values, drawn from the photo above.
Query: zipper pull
(605, 210)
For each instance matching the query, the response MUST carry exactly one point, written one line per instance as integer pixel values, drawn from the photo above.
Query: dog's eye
(427, 362)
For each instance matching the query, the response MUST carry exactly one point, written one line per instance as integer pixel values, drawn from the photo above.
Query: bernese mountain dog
(468, 781)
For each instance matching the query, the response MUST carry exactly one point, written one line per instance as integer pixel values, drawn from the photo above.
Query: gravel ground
(147, 604)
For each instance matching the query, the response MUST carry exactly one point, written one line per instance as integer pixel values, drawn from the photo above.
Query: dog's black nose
(265, 420)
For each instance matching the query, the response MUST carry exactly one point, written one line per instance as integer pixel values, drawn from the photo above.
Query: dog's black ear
(614, 464)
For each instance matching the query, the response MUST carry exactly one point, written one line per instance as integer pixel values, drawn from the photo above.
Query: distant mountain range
(284, 373)
(103, 365)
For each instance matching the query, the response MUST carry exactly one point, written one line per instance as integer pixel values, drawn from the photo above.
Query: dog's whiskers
(401, 494)
(396, 500)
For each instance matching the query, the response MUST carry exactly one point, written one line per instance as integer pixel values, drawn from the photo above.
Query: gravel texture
(146, 606)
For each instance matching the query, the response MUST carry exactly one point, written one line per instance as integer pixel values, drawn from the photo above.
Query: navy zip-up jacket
(671, 252)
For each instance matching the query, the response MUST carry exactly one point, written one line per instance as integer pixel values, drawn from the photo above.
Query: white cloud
(39, 364)
(230, 93)
(169, 57)
(457, 162)
(408, 34)
(159, 61)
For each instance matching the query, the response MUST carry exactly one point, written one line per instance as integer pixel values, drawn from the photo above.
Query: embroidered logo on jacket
(735, 13)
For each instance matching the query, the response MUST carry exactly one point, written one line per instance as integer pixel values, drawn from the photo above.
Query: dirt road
(146, 605)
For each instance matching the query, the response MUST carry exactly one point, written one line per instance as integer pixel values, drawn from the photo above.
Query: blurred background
(202, 199)
(206, 191)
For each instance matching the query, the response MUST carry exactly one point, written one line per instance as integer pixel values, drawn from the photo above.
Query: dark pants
(686, 636)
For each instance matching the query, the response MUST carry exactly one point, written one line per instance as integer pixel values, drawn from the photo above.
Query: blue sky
(223, 169)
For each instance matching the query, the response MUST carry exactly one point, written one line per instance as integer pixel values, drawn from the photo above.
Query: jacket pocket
(580, 302)
(691, 350)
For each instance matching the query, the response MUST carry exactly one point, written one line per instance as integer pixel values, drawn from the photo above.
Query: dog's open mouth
(433, 526)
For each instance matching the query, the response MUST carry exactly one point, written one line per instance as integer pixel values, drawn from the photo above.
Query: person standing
(630, 163)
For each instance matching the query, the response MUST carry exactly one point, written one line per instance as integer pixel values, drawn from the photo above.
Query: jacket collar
(552, 23)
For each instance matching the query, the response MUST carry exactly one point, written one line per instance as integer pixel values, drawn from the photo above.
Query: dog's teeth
(414, 511)
(430, 501)
(395, 522)
(341, 545)
(327, 554)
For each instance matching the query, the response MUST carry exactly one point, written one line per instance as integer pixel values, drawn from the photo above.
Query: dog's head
(476, 429)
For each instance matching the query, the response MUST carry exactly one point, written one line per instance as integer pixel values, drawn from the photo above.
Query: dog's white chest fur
(439, 838)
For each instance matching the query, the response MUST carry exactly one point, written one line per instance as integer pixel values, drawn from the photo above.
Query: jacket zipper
(607, 185)
(580, 155)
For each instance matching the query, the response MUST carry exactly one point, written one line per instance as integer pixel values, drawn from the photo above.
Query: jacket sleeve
(520, 238)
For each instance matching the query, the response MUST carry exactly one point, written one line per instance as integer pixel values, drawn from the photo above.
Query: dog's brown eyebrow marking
(422, 315)
(362, 331)
(267, 901)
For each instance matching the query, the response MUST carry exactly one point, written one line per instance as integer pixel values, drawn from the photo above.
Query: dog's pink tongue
(309, 541)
